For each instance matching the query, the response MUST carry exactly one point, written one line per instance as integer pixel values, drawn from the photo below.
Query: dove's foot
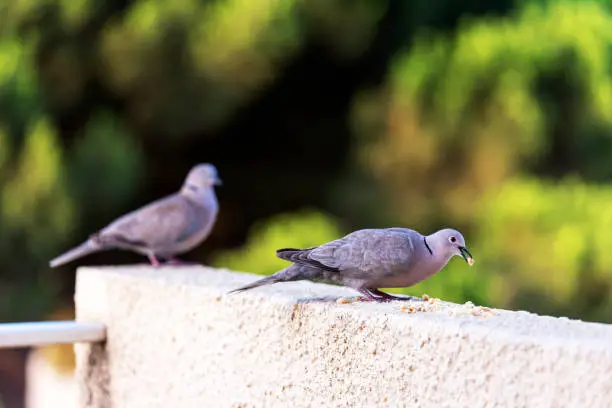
(386, 297)
(179, 262)
(369, 297)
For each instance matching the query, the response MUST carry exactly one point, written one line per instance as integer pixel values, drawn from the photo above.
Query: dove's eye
(452, 240)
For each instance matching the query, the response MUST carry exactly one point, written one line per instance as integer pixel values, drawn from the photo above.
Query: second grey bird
(369, 259)
(164, 228)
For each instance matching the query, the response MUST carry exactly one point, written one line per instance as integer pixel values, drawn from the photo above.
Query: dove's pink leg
(153, 260)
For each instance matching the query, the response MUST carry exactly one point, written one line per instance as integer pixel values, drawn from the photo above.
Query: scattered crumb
(347, 300)
(414, 307)
(483, 311)
(408, 308)
(435, 305)
(470, 261)
(468, 308)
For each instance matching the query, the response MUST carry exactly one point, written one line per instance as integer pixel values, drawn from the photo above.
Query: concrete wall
(176, 340)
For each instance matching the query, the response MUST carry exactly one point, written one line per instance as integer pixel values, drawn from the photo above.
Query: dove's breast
(423, 266)
(408, 277)
(201, 221)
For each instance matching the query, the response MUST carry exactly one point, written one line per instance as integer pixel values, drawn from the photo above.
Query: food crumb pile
(431, 304)
(347, 300)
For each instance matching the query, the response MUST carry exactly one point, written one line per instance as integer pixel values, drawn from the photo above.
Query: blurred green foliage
(303, 229)
(471, 110)
(546, 245)
(491, 116)
(43, 183)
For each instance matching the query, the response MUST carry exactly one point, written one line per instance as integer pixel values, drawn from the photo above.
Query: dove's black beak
(466, 255)
(218, 182)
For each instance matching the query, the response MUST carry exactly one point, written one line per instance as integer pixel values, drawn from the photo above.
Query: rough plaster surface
(175, 339)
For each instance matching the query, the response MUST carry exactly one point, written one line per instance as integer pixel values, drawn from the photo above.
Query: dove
(368, 259)
(164, 228)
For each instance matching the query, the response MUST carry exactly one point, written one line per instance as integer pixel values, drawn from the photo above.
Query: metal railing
(26, 334)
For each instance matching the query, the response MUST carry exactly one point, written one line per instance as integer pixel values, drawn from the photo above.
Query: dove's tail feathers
(268, 280)
(285, 275)
(293, 254)
(302, 256)
(85, 248)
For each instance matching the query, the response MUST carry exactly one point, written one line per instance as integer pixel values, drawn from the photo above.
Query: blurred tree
(33, 205)
(545, 246)
(461, 114)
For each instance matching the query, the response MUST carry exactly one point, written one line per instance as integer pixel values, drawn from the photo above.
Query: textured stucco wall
(176, 340)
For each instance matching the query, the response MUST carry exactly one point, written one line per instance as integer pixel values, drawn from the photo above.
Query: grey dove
(368, 259)
(164, 228)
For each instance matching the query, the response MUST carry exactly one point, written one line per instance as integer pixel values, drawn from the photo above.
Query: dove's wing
(362, 254)
(161, 223)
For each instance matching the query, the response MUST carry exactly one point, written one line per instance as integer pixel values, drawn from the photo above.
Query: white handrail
(14, 335)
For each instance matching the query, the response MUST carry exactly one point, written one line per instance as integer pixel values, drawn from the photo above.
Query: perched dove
(368, 259)
(164, 228)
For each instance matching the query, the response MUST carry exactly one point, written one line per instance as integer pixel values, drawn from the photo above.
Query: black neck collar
(191, 187)
(427, 245)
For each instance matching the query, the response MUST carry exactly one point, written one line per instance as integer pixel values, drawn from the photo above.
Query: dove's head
(452, 243)
(201, 177)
